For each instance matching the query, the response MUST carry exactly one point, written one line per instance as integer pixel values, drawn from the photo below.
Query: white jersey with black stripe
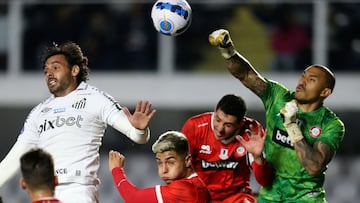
(71, 129)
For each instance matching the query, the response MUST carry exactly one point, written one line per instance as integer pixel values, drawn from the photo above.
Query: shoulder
(201, 117)
(92, 91)
(332, 119)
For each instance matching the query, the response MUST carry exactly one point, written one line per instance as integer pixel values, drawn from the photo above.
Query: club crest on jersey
(224, 154)
(315, 131)
(79, 104)
(240, 151)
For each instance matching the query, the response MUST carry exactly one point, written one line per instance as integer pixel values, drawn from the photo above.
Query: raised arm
(128, 191)
(237, 64)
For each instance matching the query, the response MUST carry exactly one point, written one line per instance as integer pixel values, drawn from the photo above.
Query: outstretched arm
(11, 163)
(237, 64)
(136, 125)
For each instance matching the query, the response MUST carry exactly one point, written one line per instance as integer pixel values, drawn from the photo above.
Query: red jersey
(190, 189)
(224, 168)
(47, 200)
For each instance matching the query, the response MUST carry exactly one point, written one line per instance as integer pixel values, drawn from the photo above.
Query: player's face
(59, 78)
(225, 125)
(311, 86)
(171, 166)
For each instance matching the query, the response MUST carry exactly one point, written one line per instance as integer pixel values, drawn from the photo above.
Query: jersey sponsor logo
(205, 149)
(219, 165)
(59, 110)
(45, 110)
(315, 131)
(281, 137)
(59, 122)
(61, 171)
(79, 104)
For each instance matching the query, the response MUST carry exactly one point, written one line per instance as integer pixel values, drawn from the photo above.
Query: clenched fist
(221, 39)
(289, 112)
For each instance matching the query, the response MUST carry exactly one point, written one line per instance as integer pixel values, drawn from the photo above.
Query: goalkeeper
(303, 135)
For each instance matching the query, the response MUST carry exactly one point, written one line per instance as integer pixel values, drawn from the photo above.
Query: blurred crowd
(120, 36)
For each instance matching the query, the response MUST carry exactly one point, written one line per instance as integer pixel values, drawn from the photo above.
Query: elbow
(142, 140)
(314, 170)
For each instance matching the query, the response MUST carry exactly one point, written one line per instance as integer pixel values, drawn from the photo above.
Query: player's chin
(220, 137)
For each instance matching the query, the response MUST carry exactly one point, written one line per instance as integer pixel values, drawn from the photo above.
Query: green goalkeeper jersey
(291, 181)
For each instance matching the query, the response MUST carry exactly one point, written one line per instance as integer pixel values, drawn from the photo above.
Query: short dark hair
(37, 168)
(330, 77)
(73, 55)
(232, 105)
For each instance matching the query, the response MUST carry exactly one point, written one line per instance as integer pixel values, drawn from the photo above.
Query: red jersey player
(225, 145)
(38, 176)
(174, 167)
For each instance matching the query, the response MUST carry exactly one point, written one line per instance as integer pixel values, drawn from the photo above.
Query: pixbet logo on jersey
(59, 122)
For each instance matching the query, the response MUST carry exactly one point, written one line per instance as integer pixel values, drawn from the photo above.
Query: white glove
(221, 39)
(289, 112)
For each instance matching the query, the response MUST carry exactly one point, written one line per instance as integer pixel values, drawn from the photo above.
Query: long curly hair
(73, 55)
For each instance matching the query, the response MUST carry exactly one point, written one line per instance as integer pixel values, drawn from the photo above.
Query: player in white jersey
(71, 123)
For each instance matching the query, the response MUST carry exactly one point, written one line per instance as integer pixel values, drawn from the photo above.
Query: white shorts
(77, 193)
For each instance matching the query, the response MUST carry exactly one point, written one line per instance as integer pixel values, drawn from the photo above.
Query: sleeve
(263, 173)
(11, 163)
(30, 132)
(129, 192)
(333, 134)
(27, 139)
(179, 191)
(113, 115)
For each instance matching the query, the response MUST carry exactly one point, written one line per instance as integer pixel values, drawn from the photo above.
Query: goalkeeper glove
(288, 113)
(221, 39)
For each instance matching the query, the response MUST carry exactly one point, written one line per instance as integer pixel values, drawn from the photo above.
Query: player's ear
(75, 70)
(325, 92)
(188, 160)
(56, 180)
(22, 183)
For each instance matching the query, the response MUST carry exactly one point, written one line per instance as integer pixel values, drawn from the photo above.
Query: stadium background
(181, 76)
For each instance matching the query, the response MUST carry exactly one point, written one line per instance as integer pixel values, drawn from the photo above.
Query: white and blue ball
(171, 17)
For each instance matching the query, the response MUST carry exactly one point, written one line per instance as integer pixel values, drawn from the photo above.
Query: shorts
(75, 193)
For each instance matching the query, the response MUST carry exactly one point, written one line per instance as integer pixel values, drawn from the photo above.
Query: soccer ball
(171, 17)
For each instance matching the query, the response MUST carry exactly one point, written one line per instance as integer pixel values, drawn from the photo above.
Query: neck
(310, 107)
(40, 194)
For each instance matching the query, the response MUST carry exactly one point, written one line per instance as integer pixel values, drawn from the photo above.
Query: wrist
(259, 160)
(294, 132)
(227, 52)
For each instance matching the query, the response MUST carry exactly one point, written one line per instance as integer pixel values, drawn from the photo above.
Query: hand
(254, 141)
(221, 38)
(142, 115)
(116, 160)
(289, 112)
